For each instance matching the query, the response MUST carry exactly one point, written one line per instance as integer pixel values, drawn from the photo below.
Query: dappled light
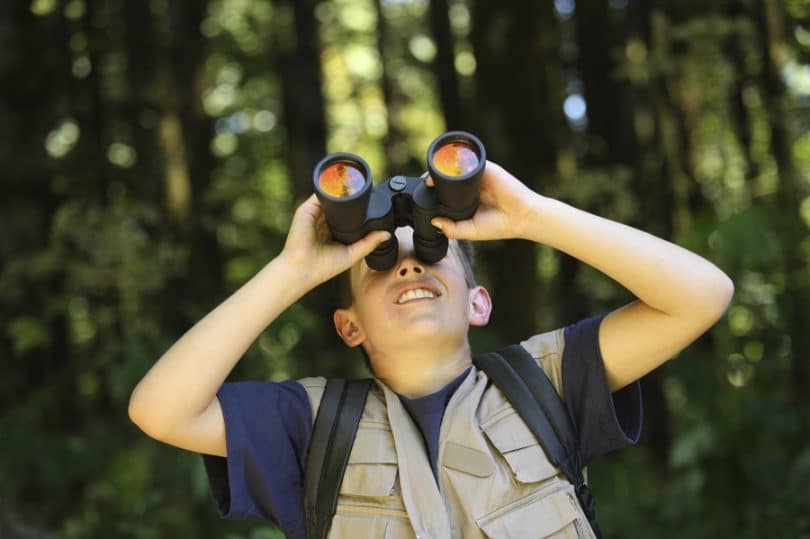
(155, 153)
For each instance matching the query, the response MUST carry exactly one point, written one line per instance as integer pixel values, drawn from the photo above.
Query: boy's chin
(429, 327)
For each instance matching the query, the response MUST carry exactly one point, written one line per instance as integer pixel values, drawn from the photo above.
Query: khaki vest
(494, 478)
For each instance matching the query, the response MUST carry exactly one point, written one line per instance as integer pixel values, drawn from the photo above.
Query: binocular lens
(455, 158)
(341, 180)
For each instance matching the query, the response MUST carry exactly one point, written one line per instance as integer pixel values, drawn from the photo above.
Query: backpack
(512, 370)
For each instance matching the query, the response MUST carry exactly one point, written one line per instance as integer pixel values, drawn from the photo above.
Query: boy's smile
(416, 292)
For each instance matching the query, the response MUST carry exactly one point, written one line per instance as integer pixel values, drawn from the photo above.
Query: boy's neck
(421, 372)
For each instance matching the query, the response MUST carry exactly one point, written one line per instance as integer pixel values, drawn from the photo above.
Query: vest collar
(426, 511)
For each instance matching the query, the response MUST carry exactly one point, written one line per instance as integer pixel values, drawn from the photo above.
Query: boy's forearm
(665, 276)
(186, 378)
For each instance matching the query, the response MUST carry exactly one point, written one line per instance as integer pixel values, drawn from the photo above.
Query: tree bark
(298, 56)
(141, 108)
(519, 114)
(444, 66)
(653, 190)
(610, 123)
(192, 134)
(395, 145)
(796, 294)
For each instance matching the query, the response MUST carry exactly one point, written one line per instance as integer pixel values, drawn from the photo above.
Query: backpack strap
(534, 398)
(332, 439)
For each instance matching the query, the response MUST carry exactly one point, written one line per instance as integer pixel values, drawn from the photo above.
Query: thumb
(460, 230)
(367, 243)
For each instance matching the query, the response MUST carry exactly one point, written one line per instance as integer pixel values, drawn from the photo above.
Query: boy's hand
(505, 205)
(309, 248)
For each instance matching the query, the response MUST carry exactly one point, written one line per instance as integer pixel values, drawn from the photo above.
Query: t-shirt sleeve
(604, 421)
(268, 426)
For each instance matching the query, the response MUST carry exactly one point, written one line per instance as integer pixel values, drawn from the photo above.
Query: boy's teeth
(416, 293)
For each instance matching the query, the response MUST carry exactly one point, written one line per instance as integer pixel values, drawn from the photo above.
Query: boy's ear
(347, 328)
(480, 306)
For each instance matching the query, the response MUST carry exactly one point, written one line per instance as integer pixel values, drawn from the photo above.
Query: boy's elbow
(719, 298)
(141, 416)
(135, 410)
(726, 293)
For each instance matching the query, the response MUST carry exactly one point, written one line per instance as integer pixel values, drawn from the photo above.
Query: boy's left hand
(503, 212)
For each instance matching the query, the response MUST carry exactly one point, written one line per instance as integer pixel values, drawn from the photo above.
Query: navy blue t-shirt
(427, 412)
(268, 426)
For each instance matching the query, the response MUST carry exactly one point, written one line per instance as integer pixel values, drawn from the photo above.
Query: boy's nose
(409, 265)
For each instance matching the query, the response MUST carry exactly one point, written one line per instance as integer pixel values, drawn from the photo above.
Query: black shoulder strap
(547, 397)
(533, 396)
(332, 439)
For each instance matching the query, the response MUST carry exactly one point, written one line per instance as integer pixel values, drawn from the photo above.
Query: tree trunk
(444, 66)
(737, 48)
(519, 112)
(395, 145)
(188, 129)
(299, 69)
(88, 108)
(610, 122)
(298, 57)
(796, 295)
(141, 106)
(653, 190)
(30, 203)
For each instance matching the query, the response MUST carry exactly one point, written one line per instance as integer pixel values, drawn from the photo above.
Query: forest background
(154, 151)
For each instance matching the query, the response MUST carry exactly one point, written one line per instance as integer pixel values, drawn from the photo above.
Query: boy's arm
(176, 402)
(680, 295)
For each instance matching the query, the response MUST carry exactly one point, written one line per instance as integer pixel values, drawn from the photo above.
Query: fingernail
(436, 223)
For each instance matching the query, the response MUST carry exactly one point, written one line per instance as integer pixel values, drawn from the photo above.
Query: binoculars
(353, 206)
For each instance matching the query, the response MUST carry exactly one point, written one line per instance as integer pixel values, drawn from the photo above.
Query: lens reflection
(455, 159)
(341, 180)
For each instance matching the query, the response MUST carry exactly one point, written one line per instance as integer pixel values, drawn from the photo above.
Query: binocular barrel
(354, 206)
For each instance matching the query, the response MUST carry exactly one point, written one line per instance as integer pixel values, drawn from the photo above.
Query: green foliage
(148, 169)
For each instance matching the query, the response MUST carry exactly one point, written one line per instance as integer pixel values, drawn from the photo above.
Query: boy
(439, 451)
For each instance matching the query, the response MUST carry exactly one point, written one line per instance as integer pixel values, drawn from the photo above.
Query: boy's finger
(460, 230)
(367, 243)
(311, 206)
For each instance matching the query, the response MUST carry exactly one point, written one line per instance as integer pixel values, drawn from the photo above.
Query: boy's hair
(463, 248)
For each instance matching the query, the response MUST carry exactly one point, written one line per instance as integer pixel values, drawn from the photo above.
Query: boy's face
(411, 303)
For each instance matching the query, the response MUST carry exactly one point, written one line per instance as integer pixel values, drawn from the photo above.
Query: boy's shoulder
(375, 409)
(314, 387)
(547, 349)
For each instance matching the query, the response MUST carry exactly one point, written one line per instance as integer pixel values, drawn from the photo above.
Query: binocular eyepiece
(354, 206)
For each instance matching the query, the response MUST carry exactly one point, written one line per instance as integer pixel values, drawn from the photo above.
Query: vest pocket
(546, 506)
(370, 505)
(539, 515)
(518, 446)
(368, 527)
(372, 468)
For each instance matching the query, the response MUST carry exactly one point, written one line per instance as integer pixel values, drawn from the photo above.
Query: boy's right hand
(310, 250)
